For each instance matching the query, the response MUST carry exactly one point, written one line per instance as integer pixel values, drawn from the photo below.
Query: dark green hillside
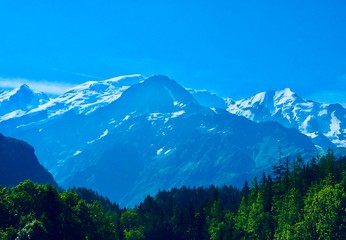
(18, 162)
(297, 201)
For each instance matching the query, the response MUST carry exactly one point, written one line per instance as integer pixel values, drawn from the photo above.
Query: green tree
(287, 214)
(324, 212)
(131, 223)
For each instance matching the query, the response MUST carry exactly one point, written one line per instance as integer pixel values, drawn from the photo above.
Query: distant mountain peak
(20, 100)
(286, 92)
(136, 135)
(89, 96)
(316, 120)
(25, 87)
(157, 93)
(286, 95)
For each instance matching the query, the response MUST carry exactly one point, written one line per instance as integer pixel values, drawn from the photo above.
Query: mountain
(82, 99)
(19, 101)
(89, 96)
(18, 163)
(153, 135)
(325, 124)
(208, 99)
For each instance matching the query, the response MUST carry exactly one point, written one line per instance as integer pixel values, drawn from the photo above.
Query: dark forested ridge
(18, 162)
(297, 201)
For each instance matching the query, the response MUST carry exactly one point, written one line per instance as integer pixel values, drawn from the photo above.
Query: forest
(297, 200)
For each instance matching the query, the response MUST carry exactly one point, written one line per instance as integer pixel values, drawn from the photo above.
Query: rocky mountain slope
(147, 136)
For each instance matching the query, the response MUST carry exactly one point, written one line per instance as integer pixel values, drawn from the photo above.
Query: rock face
(18, 163)
(151, 135)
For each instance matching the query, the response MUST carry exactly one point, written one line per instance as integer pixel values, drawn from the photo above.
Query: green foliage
(304, 201)
(33, 211)
(324, 211)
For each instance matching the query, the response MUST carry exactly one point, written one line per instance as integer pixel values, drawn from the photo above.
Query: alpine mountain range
(130, 136)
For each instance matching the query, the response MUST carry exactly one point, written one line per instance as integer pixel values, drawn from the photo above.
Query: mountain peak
(162, 79)
(157, 93)
(286, 92)
(323, 123)
(25, 87)
(20, 100)
(286, 96)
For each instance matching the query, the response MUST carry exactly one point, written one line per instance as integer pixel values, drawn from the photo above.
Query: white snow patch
(104, 134)
(214, 110)
(311, 135)
(322, 112)
(305, 124)
(334, 126)
(248, 114)
(126, 118)
(177, 114)
(284, 97)
(17, 113)
(339, 143)
(168, 151)
(158, 152)
(258, 98)
(154, 116)
(176, 103)
(77, 152)
(307, 106)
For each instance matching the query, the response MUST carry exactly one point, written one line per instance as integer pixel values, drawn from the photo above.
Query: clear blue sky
(234, 48)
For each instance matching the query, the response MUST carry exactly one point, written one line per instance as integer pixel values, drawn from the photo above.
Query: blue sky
(234, 48)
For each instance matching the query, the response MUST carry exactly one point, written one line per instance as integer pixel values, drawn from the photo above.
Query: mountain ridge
(325, 124)
(19, 101)
(154, 135)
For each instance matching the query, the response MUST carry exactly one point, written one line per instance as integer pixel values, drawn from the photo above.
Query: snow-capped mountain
(82, 99)
(19, 101)
(89, 96)
(325, 124)
(153, 135)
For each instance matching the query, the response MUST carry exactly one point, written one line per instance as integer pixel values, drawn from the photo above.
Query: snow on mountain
(19, 101)
(89, 96)
(82, 99)
(325, 124)
(129, 136)
(155, 135)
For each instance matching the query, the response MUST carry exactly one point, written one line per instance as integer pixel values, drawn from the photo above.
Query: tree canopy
(301, 201)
